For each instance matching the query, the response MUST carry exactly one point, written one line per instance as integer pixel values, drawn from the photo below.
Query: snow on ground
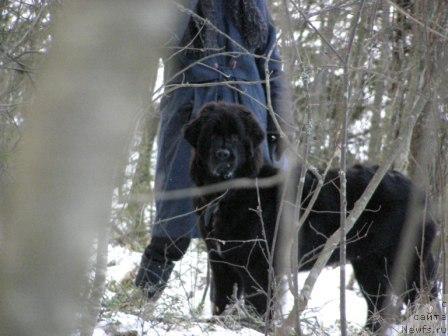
(121, 261)
(134, 323)
(184, 308)
(324, 304)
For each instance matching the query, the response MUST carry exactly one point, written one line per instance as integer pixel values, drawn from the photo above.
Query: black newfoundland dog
(226, 141)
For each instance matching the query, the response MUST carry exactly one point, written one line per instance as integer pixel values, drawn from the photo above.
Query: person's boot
(157, 264)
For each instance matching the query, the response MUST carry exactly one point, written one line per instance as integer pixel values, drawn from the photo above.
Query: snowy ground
(184, 310)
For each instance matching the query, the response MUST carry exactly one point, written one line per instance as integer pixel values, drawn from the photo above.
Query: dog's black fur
(226, 140)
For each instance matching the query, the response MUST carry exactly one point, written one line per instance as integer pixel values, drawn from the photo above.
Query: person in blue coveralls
(222, 47)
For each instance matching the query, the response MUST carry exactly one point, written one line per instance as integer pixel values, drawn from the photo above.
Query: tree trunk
(73, 145)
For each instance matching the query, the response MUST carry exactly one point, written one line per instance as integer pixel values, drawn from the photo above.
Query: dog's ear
(253, 128)
(192, 131)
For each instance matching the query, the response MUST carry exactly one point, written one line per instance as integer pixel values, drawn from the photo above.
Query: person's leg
(175, 220)
(158, 262)
(169, 242)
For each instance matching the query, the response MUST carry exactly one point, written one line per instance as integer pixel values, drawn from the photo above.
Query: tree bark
(88, 94)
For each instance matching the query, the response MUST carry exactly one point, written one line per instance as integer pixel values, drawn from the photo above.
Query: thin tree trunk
(343, 171)
(376, 128)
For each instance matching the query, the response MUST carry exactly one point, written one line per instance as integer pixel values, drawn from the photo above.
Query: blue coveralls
(179, 106)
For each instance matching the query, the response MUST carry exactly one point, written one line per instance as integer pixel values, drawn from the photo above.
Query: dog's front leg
(256, 289)
(223, 280)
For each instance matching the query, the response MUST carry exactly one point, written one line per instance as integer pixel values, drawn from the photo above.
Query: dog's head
(226, 139)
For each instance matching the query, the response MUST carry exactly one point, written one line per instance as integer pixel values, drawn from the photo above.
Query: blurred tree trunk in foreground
(131, 220)
(93, 85)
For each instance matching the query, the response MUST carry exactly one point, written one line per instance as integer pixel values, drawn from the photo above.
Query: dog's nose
(222, 154)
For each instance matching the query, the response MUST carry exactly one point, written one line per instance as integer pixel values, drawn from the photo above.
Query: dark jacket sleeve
(279, 89)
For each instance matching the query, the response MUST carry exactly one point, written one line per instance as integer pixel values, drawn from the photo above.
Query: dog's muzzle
(224, 163)
(224, 171)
